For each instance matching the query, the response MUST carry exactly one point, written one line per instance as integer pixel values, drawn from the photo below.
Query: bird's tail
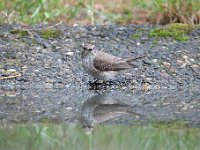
(135, 111)
(130, 61)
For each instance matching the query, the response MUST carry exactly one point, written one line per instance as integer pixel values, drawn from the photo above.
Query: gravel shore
(41, 73)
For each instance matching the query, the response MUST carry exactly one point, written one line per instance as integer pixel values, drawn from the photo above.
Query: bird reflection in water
(100, 108)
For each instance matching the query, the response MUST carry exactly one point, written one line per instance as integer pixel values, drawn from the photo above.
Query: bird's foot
(96, 82)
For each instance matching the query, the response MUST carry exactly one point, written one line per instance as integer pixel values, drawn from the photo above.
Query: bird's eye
(88, 47)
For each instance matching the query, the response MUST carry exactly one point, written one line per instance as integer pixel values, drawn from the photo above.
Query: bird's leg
(111, 82)
(96, 81)
(93, 82)
(93, 85)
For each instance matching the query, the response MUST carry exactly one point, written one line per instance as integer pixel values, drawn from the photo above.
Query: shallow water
(96, 108)
(62, 136)
(154, 120)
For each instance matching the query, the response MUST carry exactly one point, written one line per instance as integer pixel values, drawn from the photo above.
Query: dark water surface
(159, 120)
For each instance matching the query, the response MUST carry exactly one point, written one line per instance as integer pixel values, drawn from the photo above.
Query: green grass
(175, 11)
(136, 36)
(98, 11)
(34, 11)
(59, 137)
(51, 33)
(21, 33)
(37, 11)
(176, 124)
(178, 32)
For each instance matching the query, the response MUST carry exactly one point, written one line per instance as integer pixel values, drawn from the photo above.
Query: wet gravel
(42, 79)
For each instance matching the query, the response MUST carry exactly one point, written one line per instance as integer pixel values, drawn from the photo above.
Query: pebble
(137, 43)
(11, 70)
(59, 86)
(48, 86)
(48, 80)
(128, 75)
(70, 53)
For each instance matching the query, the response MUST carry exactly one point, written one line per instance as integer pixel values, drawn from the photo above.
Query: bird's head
(88, 49)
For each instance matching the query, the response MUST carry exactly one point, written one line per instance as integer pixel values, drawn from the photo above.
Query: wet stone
(69, 53)
(48, 85)
(59, 86)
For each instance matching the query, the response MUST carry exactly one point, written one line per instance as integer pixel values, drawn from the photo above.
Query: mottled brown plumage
(102, 65)
(107, 62)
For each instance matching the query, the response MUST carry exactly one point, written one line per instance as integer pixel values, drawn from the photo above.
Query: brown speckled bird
(103, 66)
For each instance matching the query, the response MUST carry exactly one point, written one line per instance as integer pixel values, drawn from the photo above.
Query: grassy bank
(100, 11)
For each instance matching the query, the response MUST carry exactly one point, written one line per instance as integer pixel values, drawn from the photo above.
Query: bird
(102, 65)
(100, 108)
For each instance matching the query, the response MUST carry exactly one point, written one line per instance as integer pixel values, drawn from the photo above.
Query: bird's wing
(107, 62)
